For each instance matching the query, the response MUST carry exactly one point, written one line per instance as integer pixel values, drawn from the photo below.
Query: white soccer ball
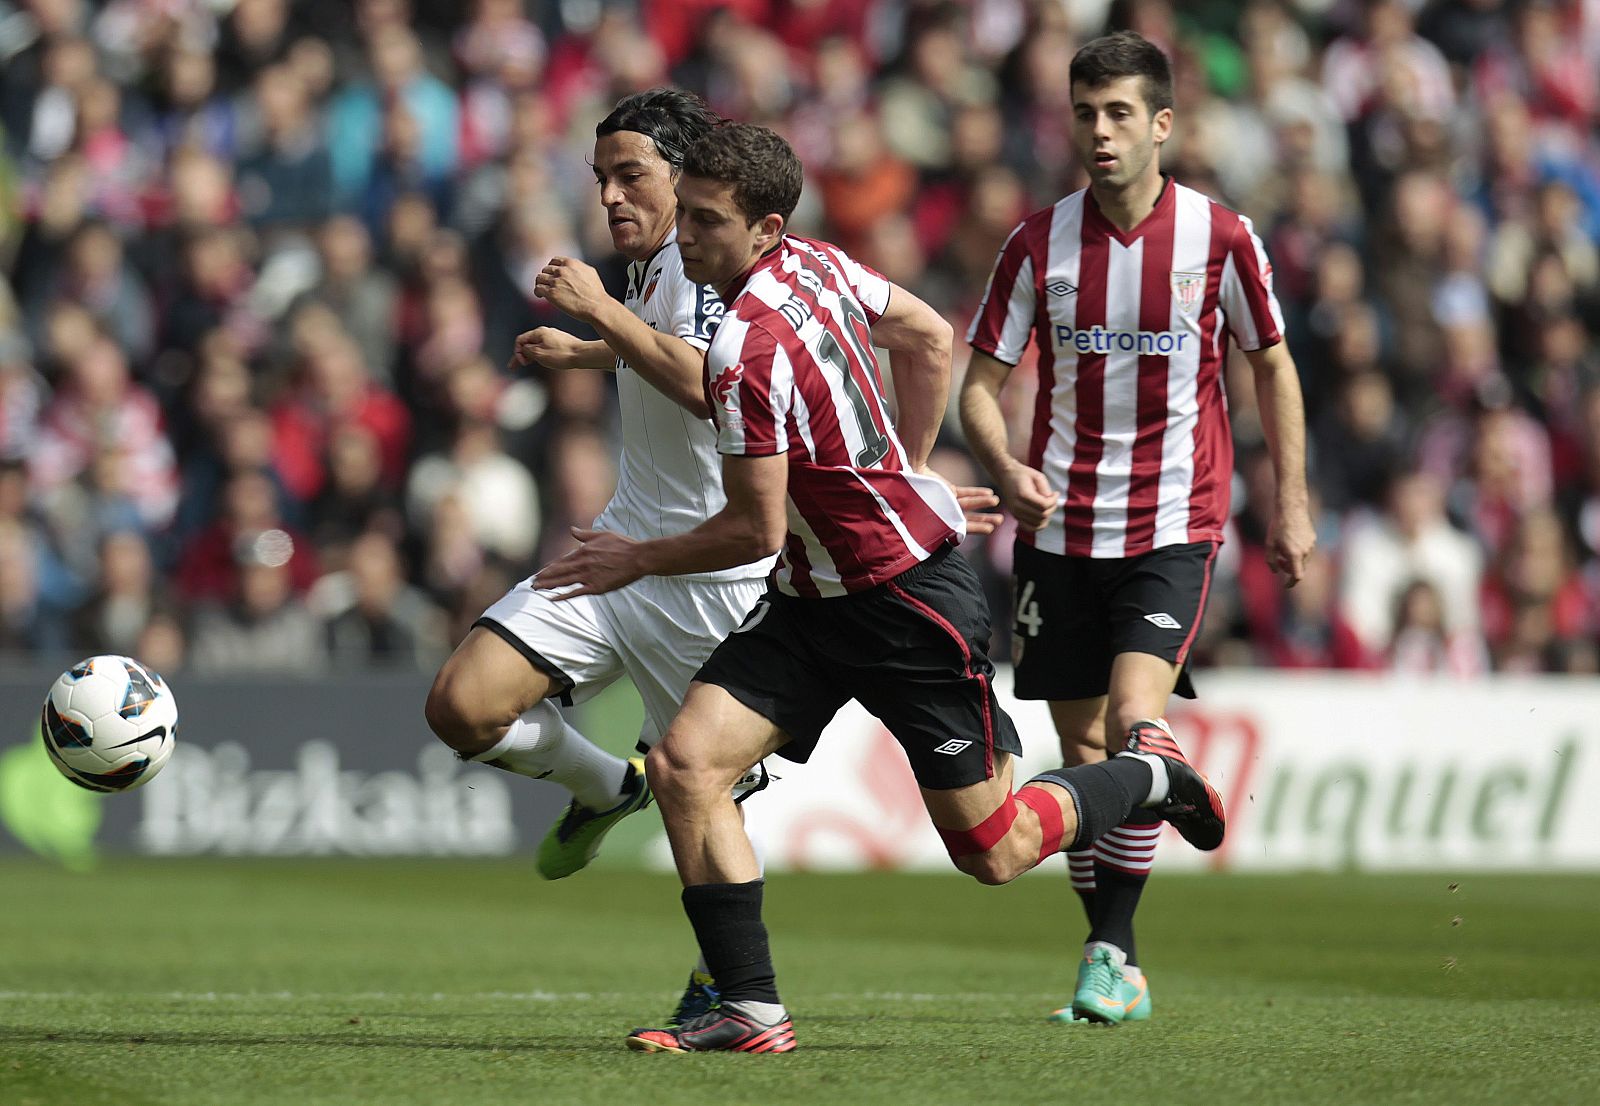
(109, 723)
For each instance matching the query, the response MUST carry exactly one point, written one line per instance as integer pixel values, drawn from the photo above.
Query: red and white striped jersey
(791, 370)
(1130, 423)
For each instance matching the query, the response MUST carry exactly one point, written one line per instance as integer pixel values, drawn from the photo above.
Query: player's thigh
(1081, 727)
(1156, 604)
(969, 805)
(712, 742)
(665, 628)
(567, 640)
(1060, 639)
(776, 663)
(917, 657)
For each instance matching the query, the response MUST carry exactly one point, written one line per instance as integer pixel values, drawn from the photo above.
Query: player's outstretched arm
(750, 527)
(1024, 491)
(556, 349)
(1292, 536)
(671, 365)
(919, 342)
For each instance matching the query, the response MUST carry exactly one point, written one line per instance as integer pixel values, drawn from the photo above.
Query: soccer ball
(109, 723)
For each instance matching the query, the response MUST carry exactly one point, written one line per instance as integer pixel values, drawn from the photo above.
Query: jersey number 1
(876, 442)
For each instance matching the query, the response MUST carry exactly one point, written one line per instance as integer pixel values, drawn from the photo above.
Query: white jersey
(670, 476)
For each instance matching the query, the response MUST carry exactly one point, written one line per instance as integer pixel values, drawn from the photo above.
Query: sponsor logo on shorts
(952, 747)
(1164, 620)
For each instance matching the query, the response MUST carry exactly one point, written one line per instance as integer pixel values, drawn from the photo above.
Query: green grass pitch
(430, 982)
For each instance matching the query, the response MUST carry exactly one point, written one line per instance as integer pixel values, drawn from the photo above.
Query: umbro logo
(952, 747)
(1164, 620)
(1061, 288)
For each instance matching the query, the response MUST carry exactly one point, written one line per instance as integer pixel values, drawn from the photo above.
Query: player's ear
(769, 229)
(1162, 125)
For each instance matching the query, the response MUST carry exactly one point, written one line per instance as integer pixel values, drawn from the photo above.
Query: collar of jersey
(769, 260)
(637, 270)
(1098, 217)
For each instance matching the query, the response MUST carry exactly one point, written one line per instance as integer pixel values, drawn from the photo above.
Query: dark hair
(1125, 54)
(762, 168)
(670, 117)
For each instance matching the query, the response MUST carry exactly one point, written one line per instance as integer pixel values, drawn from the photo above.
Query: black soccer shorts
(1072, 616)
(913, 651)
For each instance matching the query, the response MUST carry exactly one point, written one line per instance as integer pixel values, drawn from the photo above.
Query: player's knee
(668, 771)
(992, 867)
(676, 772)
(452, 718)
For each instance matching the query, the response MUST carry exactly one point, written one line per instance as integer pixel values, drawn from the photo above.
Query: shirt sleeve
(1004, 319)
(868, 285)
(749, 388)
(1248, 304)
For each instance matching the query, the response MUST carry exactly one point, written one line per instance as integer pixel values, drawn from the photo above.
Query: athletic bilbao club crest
(1187, 288)
(726, 385)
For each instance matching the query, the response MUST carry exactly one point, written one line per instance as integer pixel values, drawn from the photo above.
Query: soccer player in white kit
(493, 700)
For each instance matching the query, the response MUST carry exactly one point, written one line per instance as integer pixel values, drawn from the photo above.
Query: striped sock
(1122, 861)
(1080, 866)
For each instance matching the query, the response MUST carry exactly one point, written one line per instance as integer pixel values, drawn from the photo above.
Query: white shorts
(657, 631)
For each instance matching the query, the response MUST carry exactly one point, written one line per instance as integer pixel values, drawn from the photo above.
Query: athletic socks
(1159, 780)
(733, 940)
(1104, 793)
(1122, 862)
(541, 744)
(1080, 867)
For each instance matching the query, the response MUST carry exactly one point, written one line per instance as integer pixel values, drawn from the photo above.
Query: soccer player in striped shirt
(869, 601)
(1131, 290)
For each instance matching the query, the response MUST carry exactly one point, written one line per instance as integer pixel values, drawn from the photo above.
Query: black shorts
(913, 651)
(1074, 615)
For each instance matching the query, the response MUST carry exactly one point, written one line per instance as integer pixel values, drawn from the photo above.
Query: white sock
(1159, 780)
(767, 1013)
(1117, 954)
(543, 745)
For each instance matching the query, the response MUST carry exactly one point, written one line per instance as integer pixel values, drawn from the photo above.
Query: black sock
(1104, 794)
(727, 922)
(1117, 895)
(1080, 869)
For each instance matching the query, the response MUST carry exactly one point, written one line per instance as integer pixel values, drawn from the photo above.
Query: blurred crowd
(262, 262)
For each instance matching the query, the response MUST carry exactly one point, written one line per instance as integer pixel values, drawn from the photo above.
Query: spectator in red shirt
(335, 387)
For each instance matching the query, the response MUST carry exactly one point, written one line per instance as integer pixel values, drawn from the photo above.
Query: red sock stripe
(983, 836)
(1050, 821)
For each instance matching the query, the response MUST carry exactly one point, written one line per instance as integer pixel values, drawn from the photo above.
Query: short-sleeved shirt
(1130, 422)
(791, 370)
(669, 476)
